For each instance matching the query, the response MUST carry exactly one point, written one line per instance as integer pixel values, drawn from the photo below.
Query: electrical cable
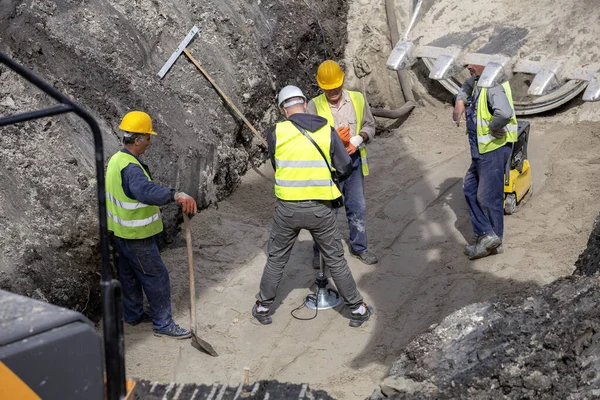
(300, 307)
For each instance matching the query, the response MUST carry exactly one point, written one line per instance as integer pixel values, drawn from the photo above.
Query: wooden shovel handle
(188, 242)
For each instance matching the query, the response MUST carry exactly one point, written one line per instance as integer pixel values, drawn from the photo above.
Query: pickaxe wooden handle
(224, 96)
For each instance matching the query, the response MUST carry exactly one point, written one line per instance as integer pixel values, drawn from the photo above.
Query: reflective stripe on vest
(124, 204)
(486, 142)
(358, 103)
(128, 218)
(301, 173)
(135, 222)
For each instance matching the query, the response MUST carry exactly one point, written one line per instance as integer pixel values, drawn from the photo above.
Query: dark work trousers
(318, 218)
(483, 184)
(353, 189)
(142, 270)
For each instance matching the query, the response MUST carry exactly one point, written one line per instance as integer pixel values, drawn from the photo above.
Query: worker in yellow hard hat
(349, 113)
(132, 201)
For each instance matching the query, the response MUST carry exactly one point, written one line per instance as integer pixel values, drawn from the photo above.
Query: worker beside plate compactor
(498, 145)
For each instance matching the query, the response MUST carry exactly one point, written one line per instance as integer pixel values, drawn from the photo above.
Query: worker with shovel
(348, 112)
(492, 128)
(134, 219)
(303, 149)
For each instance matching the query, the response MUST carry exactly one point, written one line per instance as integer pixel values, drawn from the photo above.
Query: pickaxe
(182, 49)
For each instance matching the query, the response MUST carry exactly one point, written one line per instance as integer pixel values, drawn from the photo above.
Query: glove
(344, 134)
(356, 140)
(188, 204)
(351, 149)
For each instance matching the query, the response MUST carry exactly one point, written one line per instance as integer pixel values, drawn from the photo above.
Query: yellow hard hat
(330, 75)
(137, 122)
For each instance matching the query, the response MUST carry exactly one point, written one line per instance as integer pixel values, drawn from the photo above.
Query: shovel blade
(203, 346)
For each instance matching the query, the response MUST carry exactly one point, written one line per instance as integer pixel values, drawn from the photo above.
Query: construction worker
(348, 112)
(134, 219)
(305, 191)
(491, 128)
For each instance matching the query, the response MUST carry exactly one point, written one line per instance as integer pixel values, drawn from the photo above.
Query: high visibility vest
(486, 142)
(127, 217)
(301, 172)
(358, 102)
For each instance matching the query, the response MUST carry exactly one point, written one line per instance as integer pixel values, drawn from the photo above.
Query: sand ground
(417, 225)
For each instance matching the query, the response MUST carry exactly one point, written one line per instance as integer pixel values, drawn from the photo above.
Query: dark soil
(542, 345)
(588, 262)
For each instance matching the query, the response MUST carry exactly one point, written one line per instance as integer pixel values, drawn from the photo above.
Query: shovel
(196, 341)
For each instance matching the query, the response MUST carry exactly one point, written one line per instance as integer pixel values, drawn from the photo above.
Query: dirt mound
(106, 55)
(542, 345)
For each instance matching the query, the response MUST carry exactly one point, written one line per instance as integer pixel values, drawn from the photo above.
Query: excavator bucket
(515, 46)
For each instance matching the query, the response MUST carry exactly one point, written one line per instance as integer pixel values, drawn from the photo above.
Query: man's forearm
(501, 107)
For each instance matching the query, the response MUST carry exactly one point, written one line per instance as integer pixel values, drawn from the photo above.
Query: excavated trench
(105, 55)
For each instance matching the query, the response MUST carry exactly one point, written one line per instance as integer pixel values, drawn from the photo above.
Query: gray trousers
(319, 219)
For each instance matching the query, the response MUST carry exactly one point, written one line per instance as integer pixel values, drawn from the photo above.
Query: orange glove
(351, 149)
(344, 133)
(188, 204)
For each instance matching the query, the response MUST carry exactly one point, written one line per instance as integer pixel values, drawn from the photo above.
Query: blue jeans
(356, 210)
(483, 187)
(142, 270)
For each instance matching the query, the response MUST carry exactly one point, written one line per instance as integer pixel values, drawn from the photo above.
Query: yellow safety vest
(127, 217)
(486, 142)
(358, 102)
(301, 172)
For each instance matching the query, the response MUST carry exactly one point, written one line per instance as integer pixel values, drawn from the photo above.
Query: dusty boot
(358, 319)
(174, 332)
(262, 316)
(470, 248)
(366, 257)
(483, 247)
(497, 250)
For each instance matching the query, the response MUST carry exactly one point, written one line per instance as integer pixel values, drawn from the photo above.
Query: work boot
(262, 316)
(366, 257)
(469, 249)
(484, 246)
(357, 319)
(316, 261)
(174, 332)
(497, 250)
(144, 318)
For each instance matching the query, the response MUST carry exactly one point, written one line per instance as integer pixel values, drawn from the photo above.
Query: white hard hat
(289, 92)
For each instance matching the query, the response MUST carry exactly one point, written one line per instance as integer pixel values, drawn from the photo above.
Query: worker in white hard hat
(303, 150)
(132, 200)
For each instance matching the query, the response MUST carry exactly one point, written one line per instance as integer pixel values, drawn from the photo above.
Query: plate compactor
(518, 185)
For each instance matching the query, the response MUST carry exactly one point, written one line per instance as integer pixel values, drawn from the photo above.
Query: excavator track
(262, 390)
